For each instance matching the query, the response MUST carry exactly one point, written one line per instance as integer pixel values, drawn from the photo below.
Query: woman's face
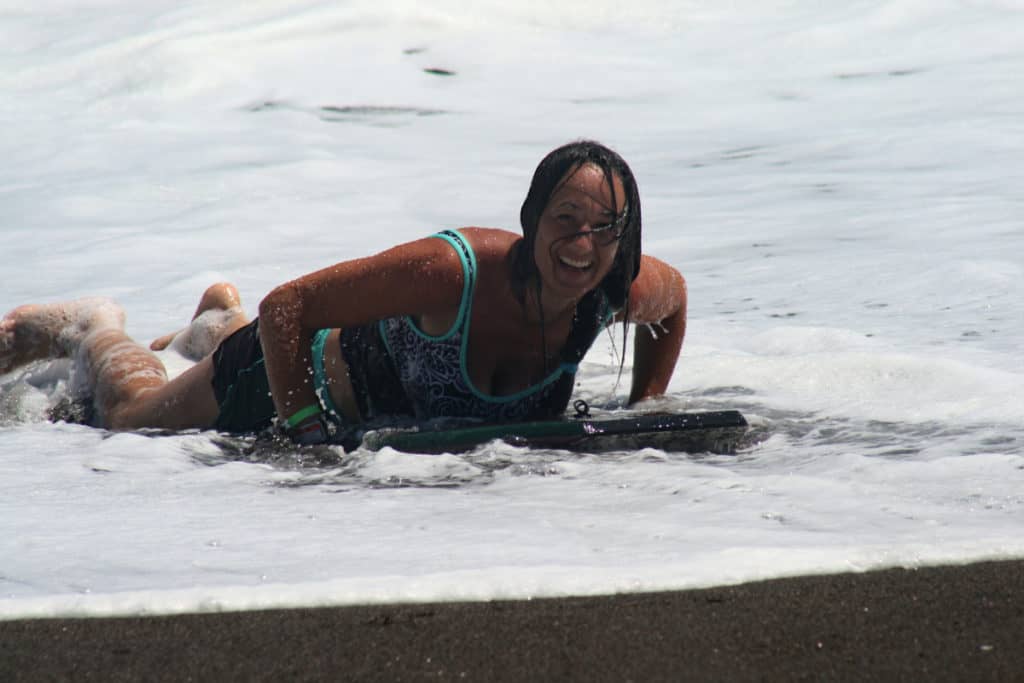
(577, 233)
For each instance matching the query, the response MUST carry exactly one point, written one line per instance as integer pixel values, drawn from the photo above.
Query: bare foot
(161, 343)
(219, 314)
(40, 331)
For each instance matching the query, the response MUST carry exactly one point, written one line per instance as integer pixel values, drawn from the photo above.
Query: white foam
(488, 585)
(838, 373)
(843, 214)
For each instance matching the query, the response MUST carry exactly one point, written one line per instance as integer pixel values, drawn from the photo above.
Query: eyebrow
(573, 205)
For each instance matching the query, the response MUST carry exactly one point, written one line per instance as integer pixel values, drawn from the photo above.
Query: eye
(567, 221)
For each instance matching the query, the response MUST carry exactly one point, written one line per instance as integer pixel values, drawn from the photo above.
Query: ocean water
(839, 182)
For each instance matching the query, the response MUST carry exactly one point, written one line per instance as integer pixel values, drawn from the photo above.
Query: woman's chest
(506, 354)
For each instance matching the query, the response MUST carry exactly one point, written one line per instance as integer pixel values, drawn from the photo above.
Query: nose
(581, 242)
(585, 232)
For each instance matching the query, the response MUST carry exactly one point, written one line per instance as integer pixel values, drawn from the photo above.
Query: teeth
(574, 263)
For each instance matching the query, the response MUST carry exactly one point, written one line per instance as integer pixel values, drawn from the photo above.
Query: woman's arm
(422, 277)
(657, 297)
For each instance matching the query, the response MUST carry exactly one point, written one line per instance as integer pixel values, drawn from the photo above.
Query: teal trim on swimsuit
(467, 257)
(609, 316)
(384, 338)
(464, 319)
(468, 286)
(320, 373)
(553, 377)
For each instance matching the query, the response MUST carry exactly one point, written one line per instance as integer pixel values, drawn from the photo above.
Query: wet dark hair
(549, 176)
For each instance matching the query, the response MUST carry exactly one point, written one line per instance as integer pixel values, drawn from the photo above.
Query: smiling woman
(476, 322)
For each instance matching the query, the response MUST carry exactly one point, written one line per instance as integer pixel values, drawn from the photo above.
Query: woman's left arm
(657, 298)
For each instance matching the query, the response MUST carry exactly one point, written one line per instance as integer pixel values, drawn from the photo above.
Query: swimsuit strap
(468, 259)
(469, 269)
(320, 375)
(429, 372)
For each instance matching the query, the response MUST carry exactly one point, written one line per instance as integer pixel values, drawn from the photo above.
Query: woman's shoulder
(489, 243)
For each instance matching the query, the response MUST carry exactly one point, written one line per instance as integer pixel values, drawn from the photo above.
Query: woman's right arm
(418, 278)
(658, 295)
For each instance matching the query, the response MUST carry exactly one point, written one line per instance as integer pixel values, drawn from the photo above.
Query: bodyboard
(700, 432)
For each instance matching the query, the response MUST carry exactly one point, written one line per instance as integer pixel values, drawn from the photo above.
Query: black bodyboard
(699, 432)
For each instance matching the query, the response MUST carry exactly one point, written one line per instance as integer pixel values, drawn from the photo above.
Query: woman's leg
(45, 331)
(130, 388)
(128, 382)
(218, 314)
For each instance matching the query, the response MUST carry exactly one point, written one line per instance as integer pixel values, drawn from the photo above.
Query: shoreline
(954, 622)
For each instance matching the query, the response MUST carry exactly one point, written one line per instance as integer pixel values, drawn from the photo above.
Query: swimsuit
(241, 387)
(396, 369)
(240, 382)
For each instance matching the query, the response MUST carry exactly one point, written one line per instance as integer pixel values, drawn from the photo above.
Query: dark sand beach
(953, 623)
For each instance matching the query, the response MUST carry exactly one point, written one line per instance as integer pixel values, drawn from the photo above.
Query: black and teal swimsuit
(396, 369)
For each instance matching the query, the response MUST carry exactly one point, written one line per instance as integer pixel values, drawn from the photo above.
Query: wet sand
(954, 623)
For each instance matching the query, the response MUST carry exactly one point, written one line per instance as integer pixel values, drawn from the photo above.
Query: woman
(477, 322)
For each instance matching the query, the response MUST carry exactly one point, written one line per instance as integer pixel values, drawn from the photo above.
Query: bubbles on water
(333, 467)
(20, 402)
(45, 390)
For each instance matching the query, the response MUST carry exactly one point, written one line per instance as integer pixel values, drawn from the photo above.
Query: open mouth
(576, 264)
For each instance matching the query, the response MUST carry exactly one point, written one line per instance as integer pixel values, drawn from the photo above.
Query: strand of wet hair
(615, 350)
(543, 329)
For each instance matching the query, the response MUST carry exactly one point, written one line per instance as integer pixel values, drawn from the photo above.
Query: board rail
(719, 431)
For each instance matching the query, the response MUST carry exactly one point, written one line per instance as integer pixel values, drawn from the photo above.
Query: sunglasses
(603, 235)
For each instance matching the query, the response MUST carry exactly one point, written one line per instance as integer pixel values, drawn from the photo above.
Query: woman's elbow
(658, 294)
(280, 306)
(679, 289)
